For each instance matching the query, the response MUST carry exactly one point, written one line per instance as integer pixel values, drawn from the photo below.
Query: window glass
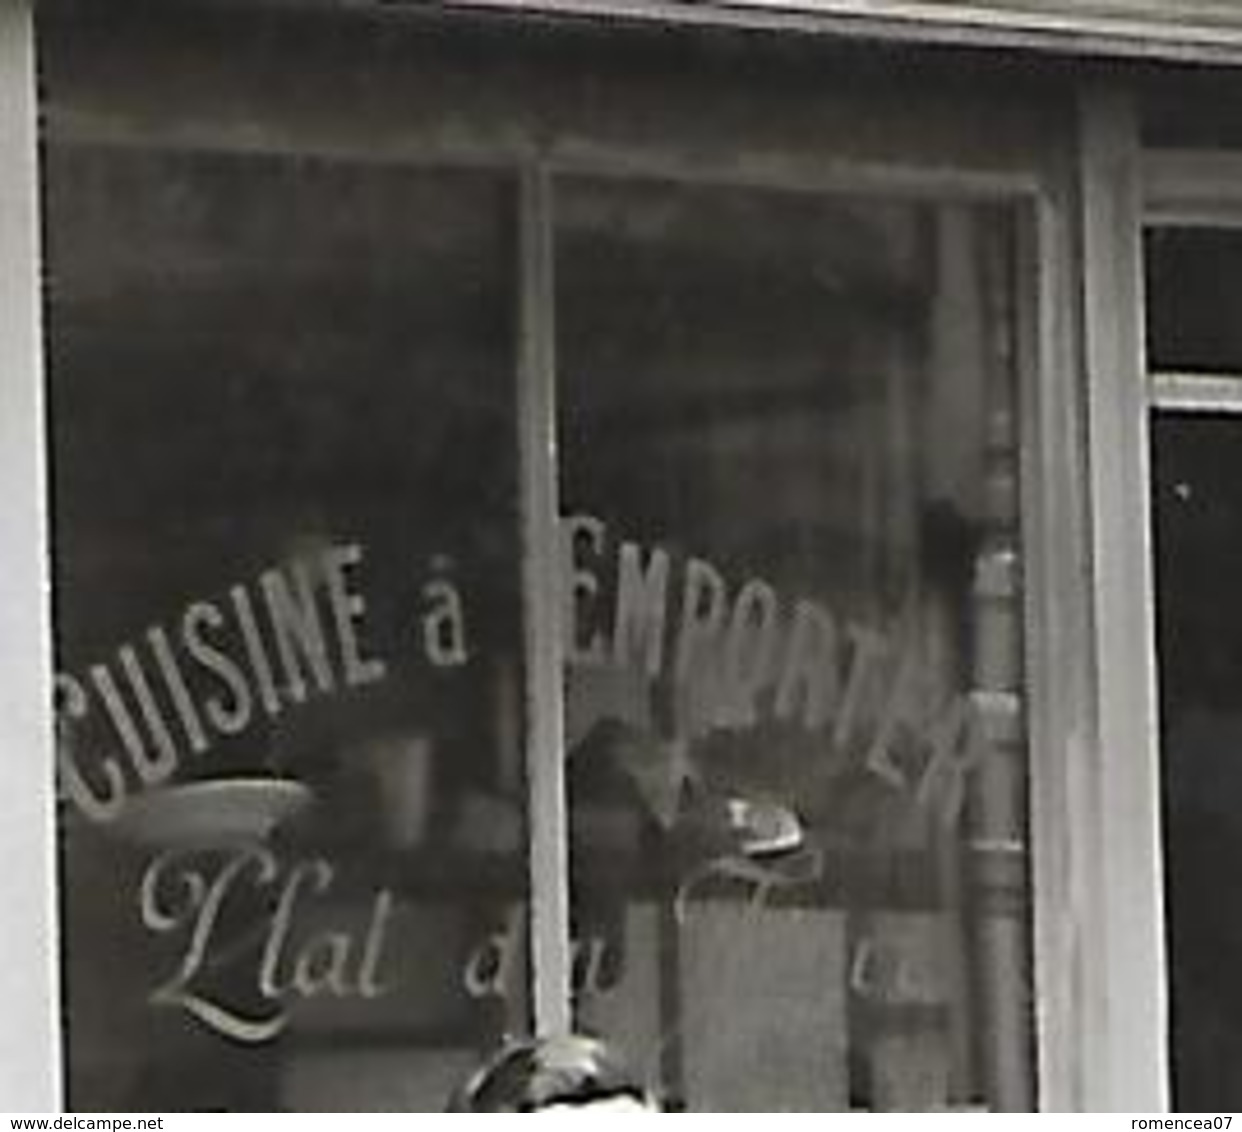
(797, 760)
(287, 627)
(1197, 460)
(1190, 109)
(1192, 314)
(292, 659)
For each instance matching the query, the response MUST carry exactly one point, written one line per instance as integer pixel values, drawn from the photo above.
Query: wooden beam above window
(1201, 30)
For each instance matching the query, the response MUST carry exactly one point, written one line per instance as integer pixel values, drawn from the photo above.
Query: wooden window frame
(1087, 1057)
(29, 957)
(1123, 942)
(1173, 188)
(1191, 31)
(1124, 191)
(1062, 692)
(1193, 189)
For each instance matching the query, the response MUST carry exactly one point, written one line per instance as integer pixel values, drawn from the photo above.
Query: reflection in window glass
(287, 627)
(794, 691)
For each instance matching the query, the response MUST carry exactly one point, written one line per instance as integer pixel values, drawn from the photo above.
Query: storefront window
(306, 301)
(288, 628)
(794, 679)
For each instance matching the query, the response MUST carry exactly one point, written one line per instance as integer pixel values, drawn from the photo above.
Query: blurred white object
(210, 813)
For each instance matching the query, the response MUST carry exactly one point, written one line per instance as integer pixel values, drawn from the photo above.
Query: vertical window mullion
(550, 956)
(1127, 1061)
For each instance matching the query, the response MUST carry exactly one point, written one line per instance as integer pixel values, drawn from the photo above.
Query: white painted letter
(642, 600)
(349, 608)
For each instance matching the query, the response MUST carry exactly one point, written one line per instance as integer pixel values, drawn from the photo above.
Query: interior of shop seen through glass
(292, 675)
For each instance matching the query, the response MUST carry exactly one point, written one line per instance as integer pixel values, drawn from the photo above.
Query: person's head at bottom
(573, 1073)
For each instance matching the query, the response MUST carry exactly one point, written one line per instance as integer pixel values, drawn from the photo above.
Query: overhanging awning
(1185, 30)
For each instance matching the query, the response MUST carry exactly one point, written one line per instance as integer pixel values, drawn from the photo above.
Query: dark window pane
(1198, 515)
(1194, 300)
(1191, 108)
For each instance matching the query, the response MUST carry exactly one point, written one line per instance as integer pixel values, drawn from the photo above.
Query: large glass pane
(287, 625)
(797, 754)
(1198, 520)
(1192, 306)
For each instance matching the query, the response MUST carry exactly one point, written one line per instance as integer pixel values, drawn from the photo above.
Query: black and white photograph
(644, 556)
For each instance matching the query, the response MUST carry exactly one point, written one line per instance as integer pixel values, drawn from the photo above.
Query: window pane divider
(548, 820)
(1194, 392)
(1121, 923)
(1192, 189)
